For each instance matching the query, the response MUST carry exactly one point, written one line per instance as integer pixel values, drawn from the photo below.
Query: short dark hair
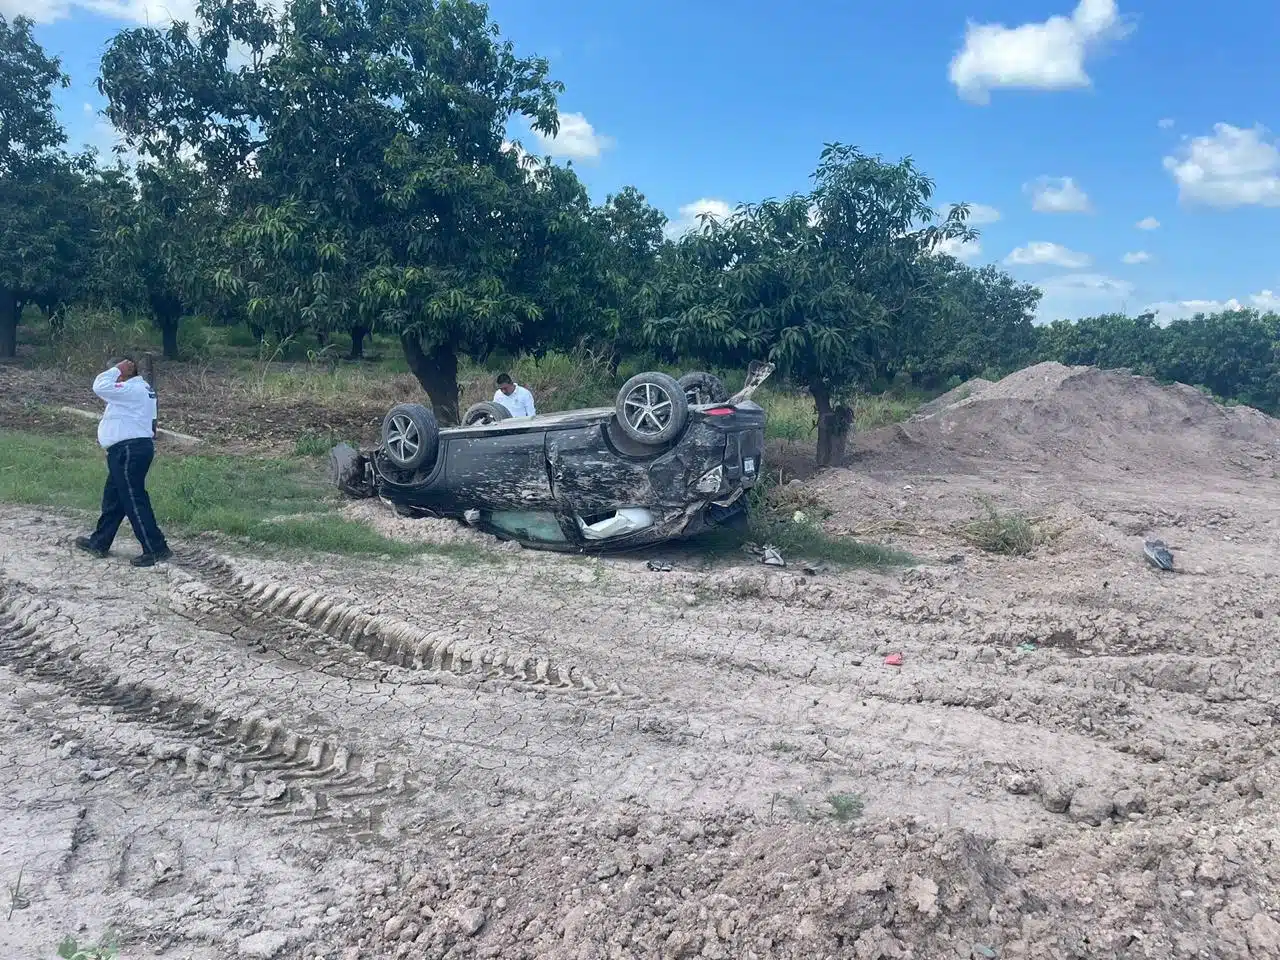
(504, 378)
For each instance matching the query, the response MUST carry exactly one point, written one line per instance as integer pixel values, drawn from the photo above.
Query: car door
(588, 476)
(498, 468)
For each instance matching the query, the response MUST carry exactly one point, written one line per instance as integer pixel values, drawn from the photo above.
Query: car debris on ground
(1158, 554)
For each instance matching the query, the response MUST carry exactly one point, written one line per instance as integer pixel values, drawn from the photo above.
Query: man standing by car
(127, 433)
(514, 397)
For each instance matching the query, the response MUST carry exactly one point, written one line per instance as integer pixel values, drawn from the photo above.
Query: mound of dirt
(966, 390)
(1054, 414)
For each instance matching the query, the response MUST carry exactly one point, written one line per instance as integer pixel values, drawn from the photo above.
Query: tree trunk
(358, 333)
(8, 324)
(437, 371)
(834, 425)
(169, 336)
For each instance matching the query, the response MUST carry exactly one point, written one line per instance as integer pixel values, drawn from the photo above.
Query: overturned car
(670, 459)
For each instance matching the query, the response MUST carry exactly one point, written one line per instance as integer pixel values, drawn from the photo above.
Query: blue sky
(1069, 123)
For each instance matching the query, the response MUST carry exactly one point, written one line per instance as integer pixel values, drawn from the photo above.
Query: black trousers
(125, 495)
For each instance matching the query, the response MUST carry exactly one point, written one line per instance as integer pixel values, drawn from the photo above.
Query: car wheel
(652, 409)
(486, 411)
(410, 436)
(703, 388)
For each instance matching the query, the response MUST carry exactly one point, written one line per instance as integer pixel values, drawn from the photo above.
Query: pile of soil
(1050, 413)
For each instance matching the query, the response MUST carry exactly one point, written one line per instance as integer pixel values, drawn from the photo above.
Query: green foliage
(845, 807)
(161, 235)
(71, 949)
(1008, 533)
(365, 140)
(818, 283)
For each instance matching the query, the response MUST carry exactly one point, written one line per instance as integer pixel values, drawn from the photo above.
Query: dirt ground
(546, 756)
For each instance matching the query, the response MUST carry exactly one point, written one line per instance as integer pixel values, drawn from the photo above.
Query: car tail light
(719, 411)
(710, 481)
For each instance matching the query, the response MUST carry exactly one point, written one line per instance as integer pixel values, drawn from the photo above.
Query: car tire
(703, 388)
(410, 436)
(651, 409)
(486, 411)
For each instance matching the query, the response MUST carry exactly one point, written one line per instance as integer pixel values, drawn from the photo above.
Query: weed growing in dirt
(18, 899)
(845, 806)
(1009, 533)
(70, 949)
(264, 501)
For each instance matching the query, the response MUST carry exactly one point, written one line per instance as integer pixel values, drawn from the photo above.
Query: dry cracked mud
(546, 756)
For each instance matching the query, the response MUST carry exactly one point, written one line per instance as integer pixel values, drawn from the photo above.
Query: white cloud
(980, 214)
(1057, 195)
(576, 140)
(1138, 256)
(1148, 223)
(1233, 167)
(963, 250)
(1076, 295)
(1167, 311)
(1034, 56)
(151, 12)
(1166, 123)
(1266, 301)
(1041, 252)
(690, 214)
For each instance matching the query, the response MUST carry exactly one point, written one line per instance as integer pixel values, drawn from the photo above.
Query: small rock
(393, 927)
(1150, 750)
(873, 881)
(472, 921)
(690, 831)
(652, 855)
(1056, 797)
(606, 870)
(264, 945)
(1090, 806)
(987, 655)
(1129, 801)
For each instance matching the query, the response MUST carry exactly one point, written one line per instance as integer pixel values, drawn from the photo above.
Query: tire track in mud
(254, 761)
(384, 638)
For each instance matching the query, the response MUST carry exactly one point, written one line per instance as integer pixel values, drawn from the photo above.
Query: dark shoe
(85, 544)
(151, 559)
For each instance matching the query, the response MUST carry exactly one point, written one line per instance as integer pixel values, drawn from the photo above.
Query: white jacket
(131, 408)
(520, 403)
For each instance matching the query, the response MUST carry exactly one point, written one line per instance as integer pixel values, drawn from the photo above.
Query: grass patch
(273, 502)
(790, 519)
(1005, 532)
(845, 806)
(71, 949)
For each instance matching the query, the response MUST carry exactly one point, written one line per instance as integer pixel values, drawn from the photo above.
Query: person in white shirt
(514, 397)
(127, 433)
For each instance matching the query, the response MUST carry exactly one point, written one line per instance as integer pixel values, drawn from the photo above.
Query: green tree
(161, 237)
(817, 283)
(362, 148)
(631, 231)
(975, 321)
(37, 183)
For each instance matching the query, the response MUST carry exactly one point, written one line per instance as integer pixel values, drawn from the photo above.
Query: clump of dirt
(1050, 413)
(383, 519)
(724, 888)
